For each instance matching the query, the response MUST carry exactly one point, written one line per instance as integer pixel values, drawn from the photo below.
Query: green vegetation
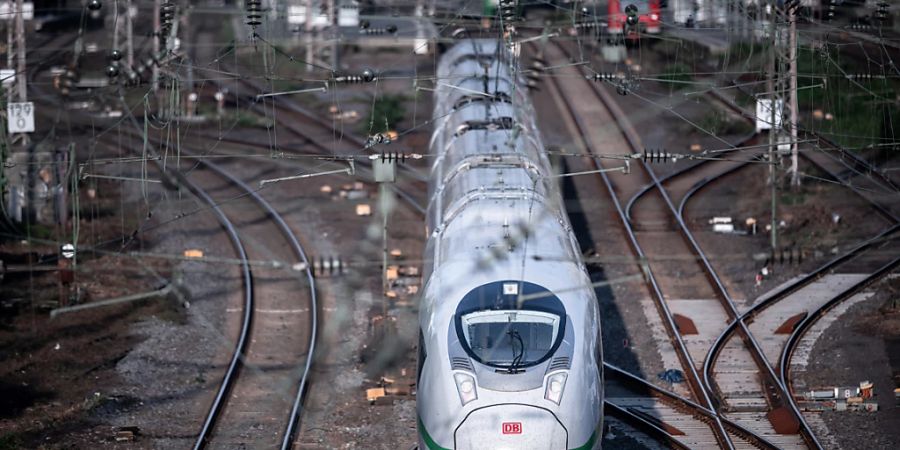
(743, 53)
(793, 198)
(677, 76)
(10, 441)
(720, 122)
(385, 114)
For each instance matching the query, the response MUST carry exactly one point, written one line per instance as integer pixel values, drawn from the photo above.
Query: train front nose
(511, 427)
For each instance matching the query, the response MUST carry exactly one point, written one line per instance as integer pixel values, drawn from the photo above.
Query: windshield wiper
(517, 357)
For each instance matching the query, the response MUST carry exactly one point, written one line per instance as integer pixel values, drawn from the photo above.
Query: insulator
(658, 156)
(603, 76)
(864, 76)
(399, 157)
(327, 266)
(508, 10)
(390, 29)
(112, 71)
(378, 138)
(94, 5)
(115, 55)
(367, 76)
(254, 12)
(363, 24)
(166, 20)
(586, 25)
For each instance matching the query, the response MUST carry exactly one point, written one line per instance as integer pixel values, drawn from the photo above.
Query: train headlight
(556, 384)
(465, 385)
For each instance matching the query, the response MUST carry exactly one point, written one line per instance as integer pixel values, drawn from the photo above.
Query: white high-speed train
(509, 347)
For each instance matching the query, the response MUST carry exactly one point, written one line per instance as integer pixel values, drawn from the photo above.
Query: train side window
(422, 356)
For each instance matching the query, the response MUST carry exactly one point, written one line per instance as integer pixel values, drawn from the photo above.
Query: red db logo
(512, 427)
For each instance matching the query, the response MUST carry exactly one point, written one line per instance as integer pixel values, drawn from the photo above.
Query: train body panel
(510, 351)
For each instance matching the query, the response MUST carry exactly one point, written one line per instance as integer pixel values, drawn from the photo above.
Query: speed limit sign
(20, 117)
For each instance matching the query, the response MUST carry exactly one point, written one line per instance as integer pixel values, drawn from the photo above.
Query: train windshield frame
(510, 338)
(510, 325)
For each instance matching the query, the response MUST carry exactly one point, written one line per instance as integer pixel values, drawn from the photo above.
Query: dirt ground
(56, 374)
(863, 344)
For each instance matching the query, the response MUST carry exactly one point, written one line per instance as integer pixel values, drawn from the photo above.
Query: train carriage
(509, 351)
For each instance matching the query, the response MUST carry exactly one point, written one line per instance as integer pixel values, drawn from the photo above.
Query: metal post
(20, 54)
(332, 19)
(129, 35)
(795, 175)
(157, 28)
(773, 131)
(307, 27)
(10, 45)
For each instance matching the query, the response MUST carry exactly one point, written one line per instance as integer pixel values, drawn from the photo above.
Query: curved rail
(802, 327)
(241, 345)
(402, 193)
(292, 107)
(747, 316)
(755, 310)
(706, 415)
(642, 424)
(668, 321)
(230, 375)
(682, 171)
(298, 251)
(746, 114)
(727, 303)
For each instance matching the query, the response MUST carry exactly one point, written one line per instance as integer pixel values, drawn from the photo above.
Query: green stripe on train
(429, 442)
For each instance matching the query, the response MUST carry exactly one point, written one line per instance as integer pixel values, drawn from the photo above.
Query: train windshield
(510, 325)
(510, 338)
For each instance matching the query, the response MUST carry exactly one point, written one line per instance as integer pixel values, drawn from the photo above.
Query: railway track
(686, 187)
(260, 397)
(692, 349)
(276, 363)
(324, 139)
(614, 139)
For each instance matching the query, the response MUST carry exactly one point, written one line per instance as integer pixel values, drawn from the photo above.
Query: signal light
(631, 13)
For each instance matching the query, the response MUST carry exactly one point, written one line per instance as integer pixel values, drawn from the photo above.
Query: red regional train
(647, 13)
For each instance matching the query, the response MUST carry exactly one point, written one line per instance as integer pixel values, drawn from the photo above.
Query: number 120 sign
(20, 117)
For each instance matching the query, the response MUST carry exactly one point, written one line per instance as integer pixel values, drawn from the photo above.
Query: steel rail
(724, 297)
(750, 117)
(232, 371)
(748, 316)
(682, 171)
(681, 349)
(234, 365)
(642, 424)
(240, 347)
(291, 106)
(678, 402)
(810, 320)
(301, 255)
(402, 193)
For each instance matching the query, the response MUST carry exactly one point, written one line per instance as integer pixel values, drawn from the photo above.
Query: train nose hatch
(516, 427)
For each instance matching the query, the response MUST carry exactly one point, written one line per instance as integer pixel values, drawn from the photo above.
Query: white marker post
(20, 117)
